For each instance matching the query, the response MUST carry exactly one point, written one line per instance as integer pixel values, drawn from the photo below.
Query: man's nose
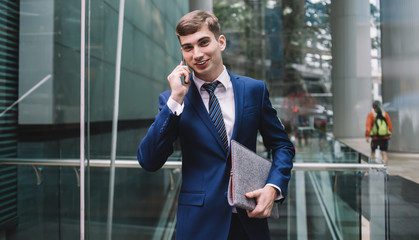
(198, 53)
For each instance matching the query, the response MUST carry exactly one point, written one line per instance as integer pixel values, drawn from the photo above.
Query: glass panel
(143, 202)
(150, 50)
(39, 117)
(48, 204)
(333, 205)
(144, 206)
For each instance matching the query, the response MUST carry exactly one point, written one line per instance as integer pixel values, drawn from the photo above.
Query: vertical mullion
(82, 120)
(115, 118)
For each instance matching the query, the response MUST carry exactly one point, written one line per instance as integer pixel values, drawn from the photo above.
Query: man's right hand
(179, 89)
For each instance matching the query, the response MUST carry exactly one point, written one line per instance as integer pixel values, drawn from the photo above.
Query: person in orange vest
(378, 129)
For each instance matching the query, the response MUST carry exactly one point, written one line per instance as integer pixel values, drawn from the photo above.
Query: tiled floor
(405, 165)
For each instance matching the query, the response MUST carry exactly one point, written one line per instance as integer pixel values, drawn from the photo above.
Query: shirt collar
(223, 78)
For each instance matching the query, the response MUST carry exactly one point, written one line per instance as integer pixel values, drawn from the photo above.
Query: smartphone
(183, 77)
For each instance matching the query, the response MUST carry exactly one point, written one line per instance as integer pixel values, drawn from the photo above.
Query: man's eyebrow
(199, 40)
(185, 45)
(204, 38)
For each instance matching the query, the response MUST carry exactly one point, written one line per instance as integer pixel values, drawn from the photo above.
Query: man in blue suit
(187, 113)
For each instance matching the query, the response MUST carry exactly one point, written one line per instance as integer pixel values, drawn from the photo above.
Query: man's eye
(187, 48)
(204, 43)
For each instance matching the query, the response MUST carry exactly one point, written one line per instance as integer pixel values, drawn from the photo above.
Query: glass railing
(334, 204)
(325, 200)
(329, 197)
(48, 201)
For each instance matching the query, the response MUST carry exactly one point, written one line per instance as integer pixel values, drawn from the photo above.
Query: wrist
(273, 191)
(178, 98)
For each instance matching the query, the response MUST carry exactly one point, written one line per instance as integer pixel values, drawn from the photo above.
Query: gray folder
(249, 172)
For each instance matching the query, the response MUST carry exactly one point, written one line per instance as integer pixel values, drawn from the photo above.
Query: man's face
(202, 52)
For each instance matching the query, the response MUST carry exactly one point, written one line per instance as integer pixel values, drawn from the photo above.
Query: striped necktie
(215, 112)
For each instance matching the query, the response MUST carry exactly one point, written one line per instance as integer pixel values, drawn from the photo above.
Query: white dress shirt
(223, 92)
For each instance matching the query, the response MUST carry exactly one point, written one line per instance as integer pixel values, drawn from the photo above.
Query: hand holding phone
(179, 81)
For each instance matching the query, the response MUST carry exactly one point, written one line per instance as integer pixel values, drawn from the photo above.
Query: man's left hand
(264, 201)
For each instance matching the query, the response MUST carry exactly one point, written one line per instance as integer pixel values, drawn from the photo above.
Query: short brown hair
(193, 22)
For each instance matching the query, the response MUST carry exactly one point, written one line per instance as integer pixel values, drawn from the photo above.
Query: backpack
(380, 128)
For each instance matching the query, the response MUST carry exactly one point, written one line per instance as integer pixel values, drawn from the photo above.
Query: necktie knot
(210, 87)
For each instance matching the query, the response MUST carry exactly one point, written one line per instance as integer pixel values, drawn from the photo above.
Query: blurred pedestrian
(378, 129)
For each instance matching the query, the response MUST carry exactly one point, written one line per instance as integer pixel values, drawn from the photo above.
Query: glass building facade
(53, 111)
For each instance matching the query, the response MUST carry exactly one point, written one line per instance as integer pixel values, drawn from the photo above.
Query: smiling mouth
(202, 62)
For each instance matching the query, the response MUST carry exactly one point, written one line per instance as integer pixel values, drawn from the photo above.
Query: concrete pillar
(351, 74)
(201, 5)
(400, 71)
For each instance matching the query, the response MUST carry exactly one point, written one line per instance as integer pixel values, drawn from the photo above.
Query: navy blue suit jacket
(203, 210)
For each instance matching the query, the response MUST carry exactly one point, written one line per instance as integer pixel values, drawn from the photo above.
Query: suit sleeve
(157, 145)
(276, 139)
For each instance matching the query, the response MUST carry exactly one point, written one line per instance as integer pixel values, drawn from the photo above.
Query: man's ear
(222, 42)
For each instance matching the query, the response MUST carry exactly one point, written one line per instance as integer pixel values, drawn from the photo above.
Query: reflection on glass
(288, 45)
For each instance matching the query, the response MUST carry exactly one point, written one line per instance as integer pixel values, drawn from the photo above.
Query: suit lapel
(238, 88)
(195, 100)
